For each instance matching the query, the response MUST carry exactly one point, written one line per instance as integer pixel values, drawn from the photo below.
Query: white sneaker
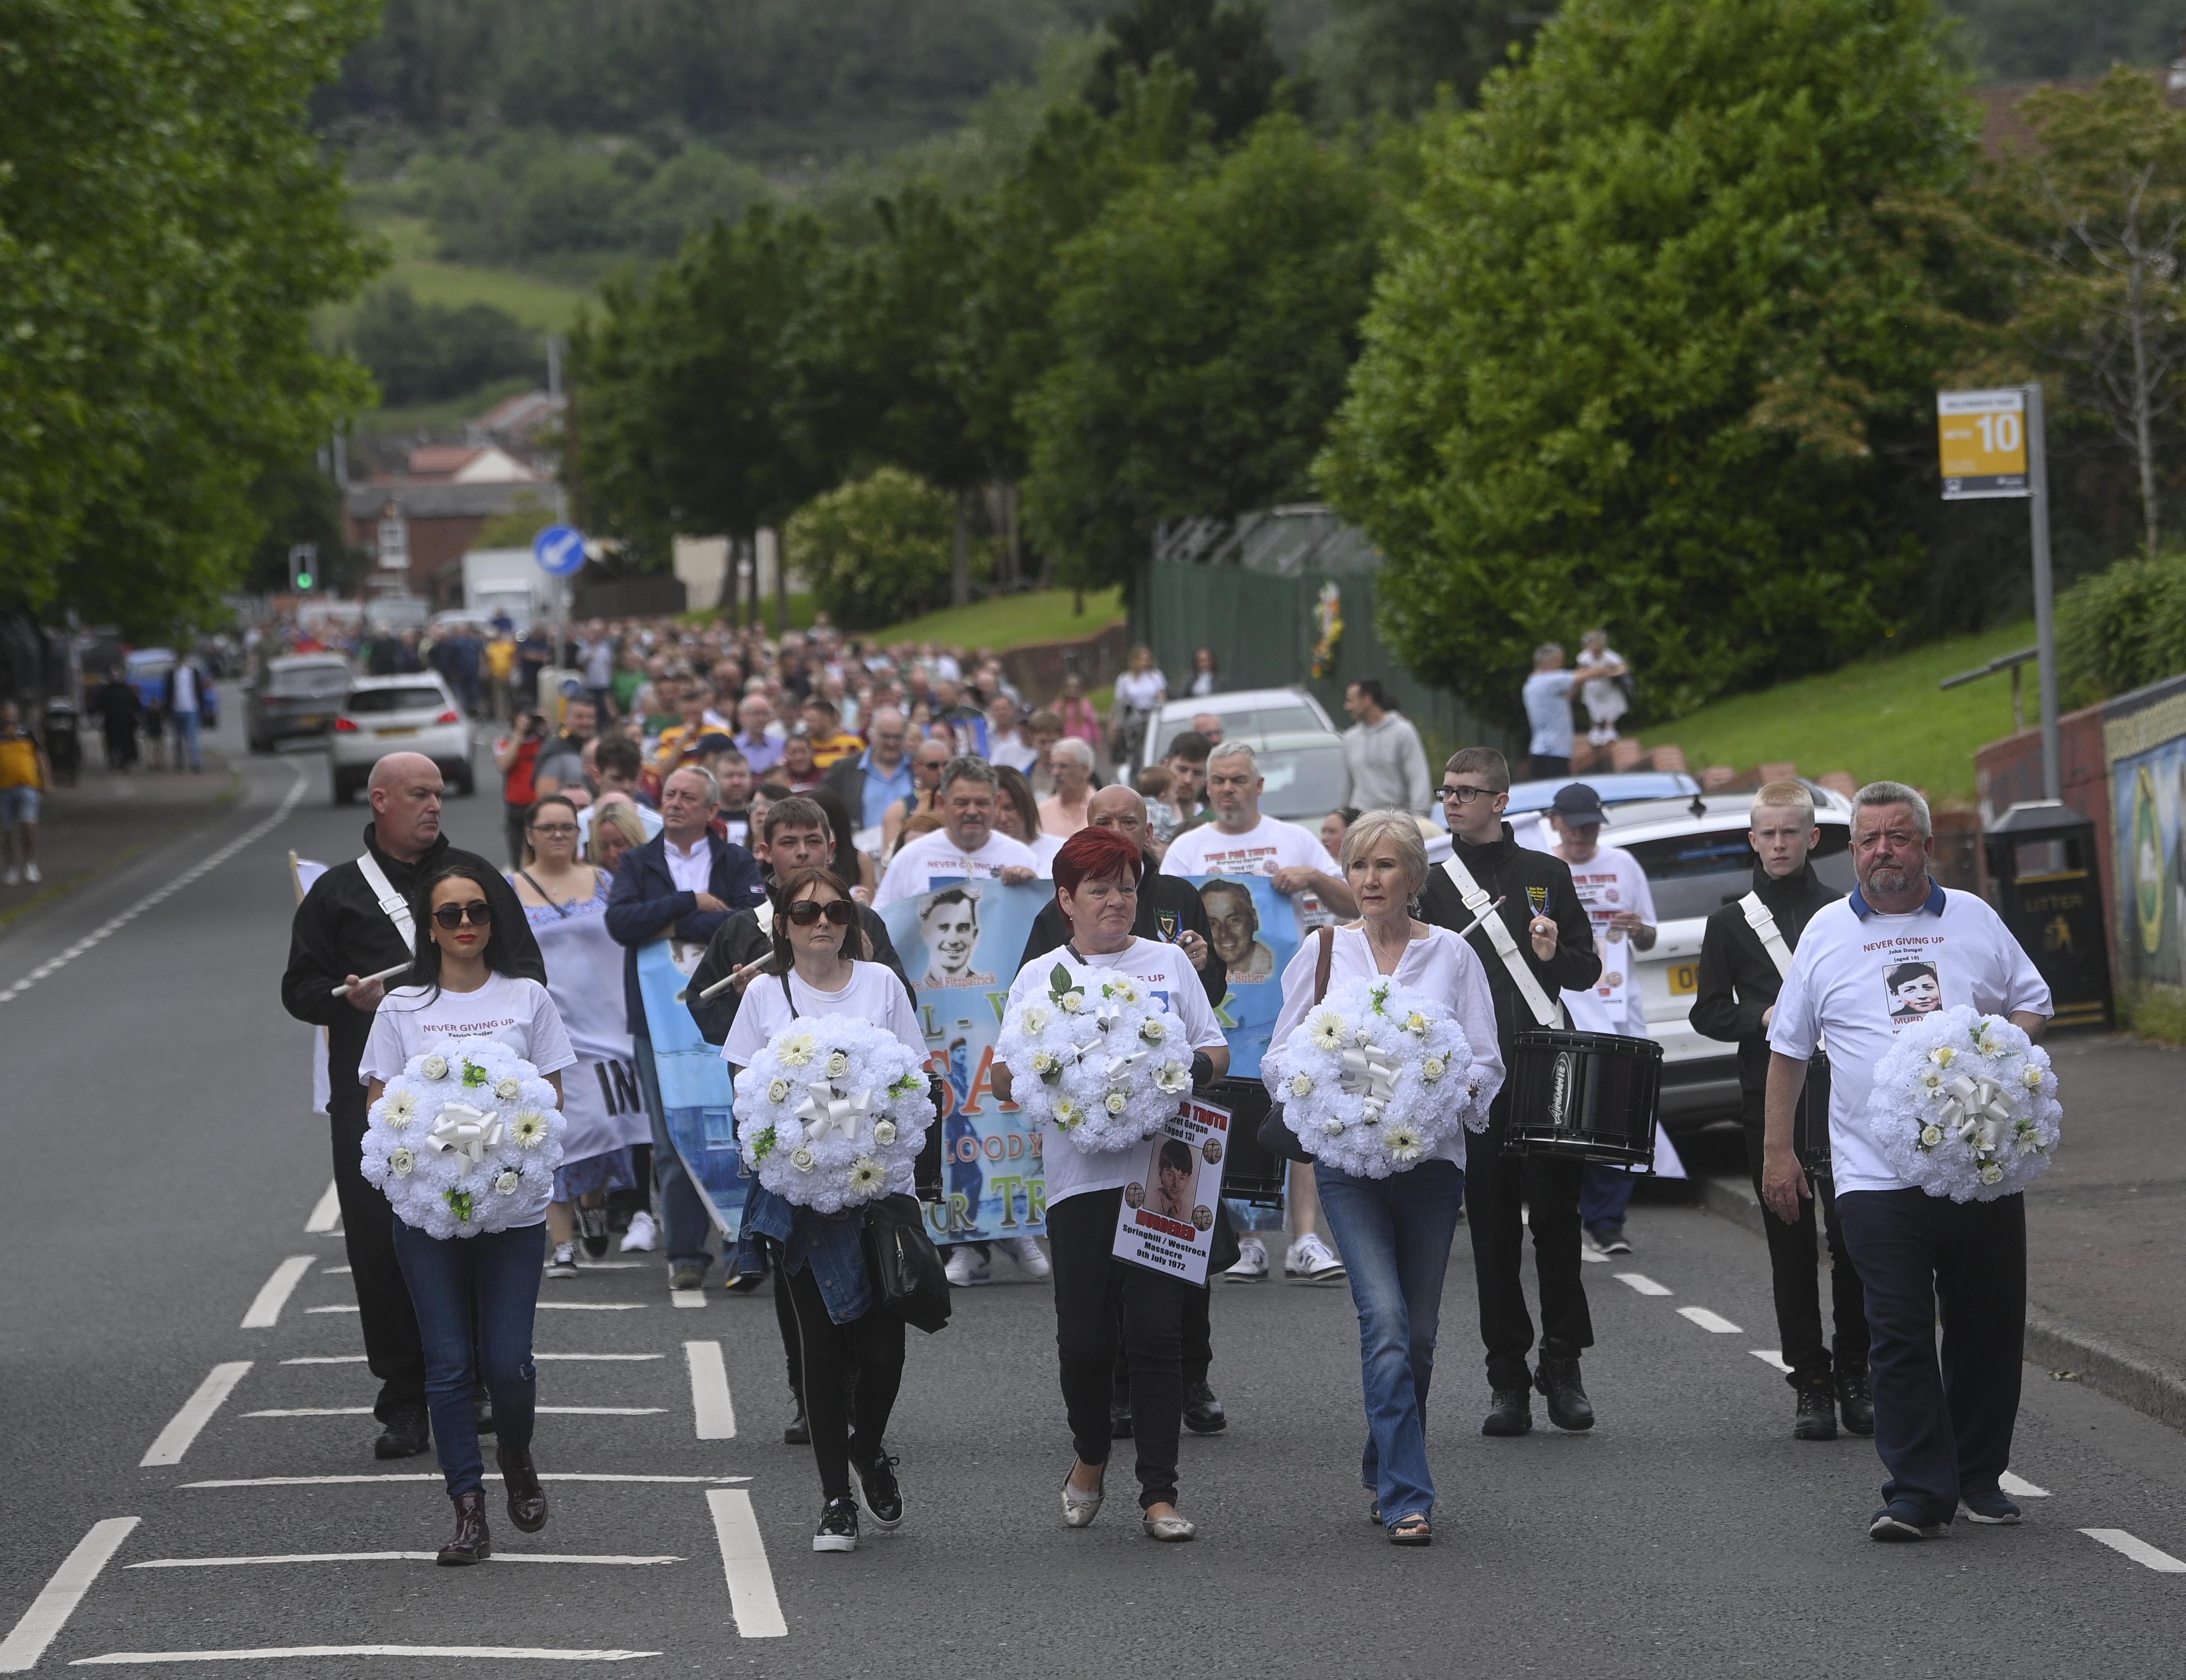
(967, 1266)
(644, 1236)
(30, 874)
(1026, 1252)
(1310, 1258)
(563, 1264)
(1251, 1265)
(12, 877)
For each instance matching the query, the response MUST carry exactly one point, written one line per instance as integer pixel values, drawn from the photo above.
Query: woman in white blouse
(1394, 1233)
(1096, 887)
(1139, 692)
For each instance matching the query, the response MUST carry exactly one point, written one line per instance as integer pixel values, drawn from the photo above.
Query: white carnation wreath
(831, 1112)
(1965, 1105)
(467, 1134)
(1098, 1057)
(1377, 1077)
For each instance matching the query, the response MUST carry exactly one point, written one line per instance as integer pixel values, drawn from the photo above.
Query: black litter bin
(63, 741)
(2043, 875)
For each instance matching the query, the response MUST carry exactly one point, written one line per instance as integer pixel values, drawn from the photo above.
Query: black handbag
(904, 1264)
(1275, 1135)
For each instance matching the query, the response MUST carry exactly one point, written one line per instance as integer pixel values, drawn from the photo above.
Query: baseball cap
(1578, 804)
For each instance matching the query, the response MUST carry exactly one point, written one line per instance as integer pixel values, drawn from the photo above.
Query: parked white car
(1697, 859)
(1300, 752)
(414, 713)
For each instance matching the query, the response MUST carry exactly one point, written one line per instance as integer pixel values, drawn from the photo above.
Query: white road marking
(555, 1411)
(387, 1557)
(434, 1475)
(617, 1358)
(114, 925)
(1771, 1358)
(590, 1305)
(2147, 1556)
(50, 1610)
(1641, 1282)
(329, 1359)
(2019, 1488)
(586, 1263)
(333, 1271)
(513, 1653)
(710, 1391)
(313, 1412)
(326, 1214)
(197, 1412)
(752, 1599)
(334, 1309)
(1715, 1323)
(266, 1311)
(687, 1297)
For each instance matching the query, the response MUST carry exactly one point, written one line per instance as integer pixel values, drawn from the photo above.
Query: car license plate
(310, 720)
(391, 734)
(1684, 979)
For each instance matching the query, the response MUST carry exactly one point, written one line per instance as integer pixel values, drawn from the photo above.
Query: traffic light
(303, 560)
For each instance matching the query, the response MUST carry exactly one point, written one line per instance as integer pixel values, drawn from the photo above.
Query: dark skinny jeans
(475, 1292)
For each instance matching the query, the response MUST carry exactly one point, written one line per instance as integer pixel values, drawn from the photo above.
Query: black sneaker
(1568, 1405)
(797, 1432)
(1203, 1412)
(1512, 1413)
(1608, 1238)
(838, 1528)
(1816, 1418)
(742, 1282)
(1903, 1521)
(1993, 1507)
(592, 1226)
(883, 1498)
(1855, 1400)
(408, 1433)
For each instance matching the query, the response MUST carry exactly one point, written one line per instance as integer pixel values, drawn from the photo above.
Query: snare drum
(1585, 1096)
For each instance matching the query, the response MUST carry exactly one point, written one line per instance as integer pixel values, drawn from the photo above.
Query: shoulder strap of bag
(562, 910)
(1763, 924)
(392, 904)
(1545, 1013)
(1320, 966)
(785, 996)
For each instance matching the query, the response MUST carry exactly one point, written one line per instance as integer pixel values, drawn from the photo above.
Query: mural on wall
(2149, 789)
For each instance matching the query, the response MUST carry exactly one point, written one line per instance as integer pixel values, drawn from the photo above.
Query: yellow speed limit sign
(1984, 443)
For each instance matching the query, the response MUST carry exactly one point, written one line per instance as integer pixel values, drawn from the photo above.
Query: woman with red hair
(1096, 889)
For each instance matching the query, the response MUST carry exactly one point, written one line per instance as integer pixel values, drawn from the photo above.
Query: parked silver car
(1301, 754)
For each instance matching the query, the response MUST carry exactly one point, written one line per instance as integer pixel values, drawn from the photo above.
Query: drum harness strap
(1763, 924)
(1545, 1013)
(395, 907)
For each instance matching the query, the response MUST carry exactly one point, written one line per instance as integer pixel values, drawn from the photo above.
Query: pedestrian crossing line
(273, 1295)
(1641, 1282)
(752, 1598)
(326, 1213)
(291, 1653)
(38, 1625)
(544, 1411)
(710, 1404)
(2019, 1488)
(394, 1557)
(197, 1412)
(2132, 1546)
(1772, 1357)
(434, 1475)
(689, 1298)
(1715, 1323)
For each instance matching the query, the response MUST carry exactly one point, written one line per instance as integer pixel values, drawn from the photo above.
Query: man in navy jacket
(681, 884)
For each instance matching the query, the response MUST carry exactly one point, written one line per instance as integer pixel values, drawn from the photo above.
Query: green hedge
(2121, 629)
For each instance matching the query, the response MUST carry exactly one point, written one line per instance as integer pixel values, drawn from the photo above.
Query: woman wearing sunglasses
(819, 966)
(476, 1293)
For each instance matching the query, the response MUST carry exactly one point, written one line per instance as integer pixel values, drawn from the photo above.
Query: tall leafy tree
(1659, 344)
(1396, 56)
(1205, 324)
(1223, 45)
(167, 225)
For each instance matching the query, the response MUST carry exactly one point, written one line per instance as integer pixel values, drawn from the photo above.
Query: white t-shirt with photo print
(1857, 979)
(1610, 880)
(1269, 845)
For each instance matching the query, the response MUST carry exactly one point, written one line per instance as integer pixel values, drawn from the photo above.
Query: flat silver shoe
(1169, 1528)
(1079, 1507)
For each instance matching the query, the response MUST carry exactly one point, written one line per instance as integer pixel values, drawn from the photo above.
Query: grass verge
(1877, 718)
(1011, 620)
(546, 306)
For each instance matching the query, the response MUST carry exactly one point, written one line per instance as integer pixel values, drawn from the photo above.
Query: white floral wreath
(1965, 1105)
(466, 1135)
(1098, 1057)
(1376, 1078)
(831, 1114)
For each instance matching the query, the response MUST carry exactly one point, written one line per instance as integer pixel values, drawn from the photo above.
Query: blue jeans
(1604, 1193)
(1395, 1235)
(683, 1221)
(475, 1292)
(186, 740)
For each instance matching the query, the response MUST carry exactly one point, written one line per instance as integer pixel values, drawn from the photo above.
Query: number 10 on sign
(1983, 435)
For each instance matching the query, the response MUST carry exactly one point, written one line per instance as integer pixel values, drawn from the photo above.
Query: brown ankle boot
(527, 1500)
(471, 1544)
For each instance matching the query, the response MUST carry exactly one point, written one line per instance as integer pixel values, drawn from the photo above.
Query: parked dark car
(295, 697)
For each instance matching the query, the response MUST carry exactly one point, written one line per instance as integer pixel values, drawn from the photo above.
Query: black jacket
(1738, 977)
(340, 929)
(738, 940)
(1168, 905)
(645, 899)
(1503, 869)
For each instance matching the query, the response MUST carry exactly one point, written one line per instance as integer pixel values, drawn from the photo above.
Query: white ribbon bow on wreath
(1975, 1108)
(465, 1132)
(1371, 1072)
(823, 1111)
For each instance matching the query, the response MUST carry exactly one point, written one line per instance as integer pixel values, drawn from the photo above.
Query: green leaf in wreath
(473, 1075)
(459, 1203)
(763, 1144)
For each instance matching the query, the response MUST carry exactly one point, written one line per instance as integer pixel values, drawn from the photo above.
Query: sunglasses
(477, 913)
(806, 911)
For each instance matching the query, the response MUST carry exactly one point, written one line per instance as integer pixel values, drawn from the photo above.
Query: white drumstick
(1482, 916)
(366, 980)
(722, 984)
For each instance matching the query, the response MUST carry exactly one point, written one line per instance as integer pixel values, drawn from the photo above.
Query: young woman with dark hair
(475, 1296)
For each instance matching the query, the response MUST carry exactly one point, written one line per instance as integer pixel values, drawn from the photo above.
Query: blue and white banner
(961, 942)
(695, 1097)
(1254, 929)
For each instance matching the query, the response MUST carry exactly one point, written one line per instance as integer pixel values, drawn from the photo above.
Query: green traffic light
(303, 580)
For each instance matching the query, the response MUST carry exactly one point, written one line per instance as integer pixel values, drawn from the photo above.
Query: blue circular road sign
(559, 550)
